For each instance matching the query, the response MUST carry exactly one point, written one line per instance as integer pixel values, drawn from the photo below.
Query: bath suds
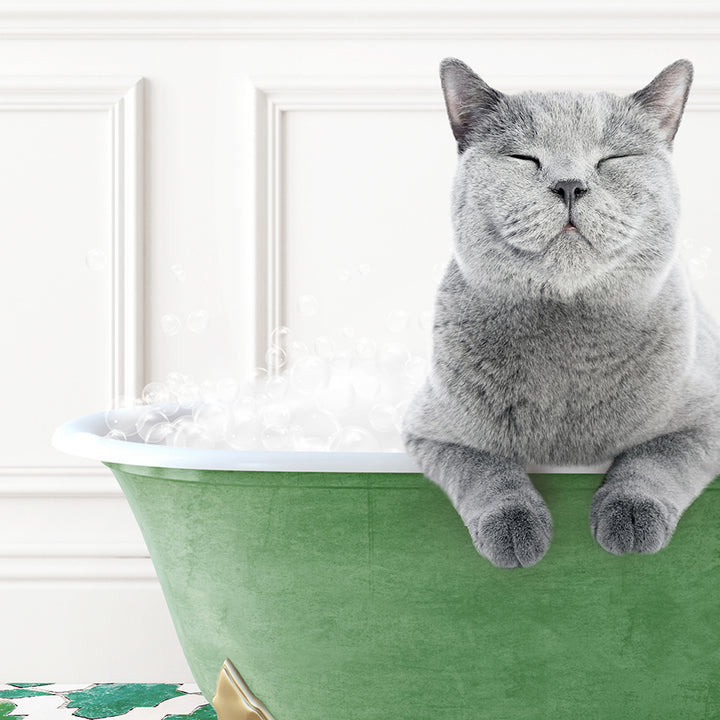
(347, 394)
(197, 321)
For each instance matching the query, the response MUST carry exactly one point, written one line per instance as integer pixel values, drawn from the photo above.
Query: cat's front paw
(514, 533)
(624, 521)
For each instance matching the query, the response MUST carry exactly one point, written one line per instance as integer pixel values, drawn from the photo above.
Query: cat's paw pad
(623, 522)
(513, 534)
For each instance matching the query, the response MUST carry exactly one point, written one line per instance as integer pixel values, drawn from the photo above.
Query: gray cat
(565, 331)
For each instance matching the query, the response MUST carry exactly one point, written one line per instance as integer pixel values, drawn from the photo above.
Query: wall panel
(273, 152)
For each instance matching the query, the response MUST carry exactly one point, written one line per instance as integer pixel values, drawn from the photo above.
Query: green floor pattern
(94, 701)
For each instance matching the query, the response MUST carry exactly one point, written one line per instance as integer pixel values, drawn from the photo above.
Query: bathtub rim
(85, 437)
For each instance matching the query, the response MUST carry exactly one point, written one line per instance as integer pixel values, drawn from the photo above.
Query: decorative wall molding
(270, 99)
(126, 551)
(45, 561)
(43, 483)
(100, 567)
(121, 99)
(276, 19)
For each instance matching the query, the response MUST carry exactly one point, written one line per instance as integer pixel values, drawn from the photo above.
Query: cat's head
(557, 191)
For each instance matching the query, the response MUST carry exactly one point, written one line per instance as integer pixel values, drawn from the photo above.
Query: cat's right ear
(467, 97)
(666, 95)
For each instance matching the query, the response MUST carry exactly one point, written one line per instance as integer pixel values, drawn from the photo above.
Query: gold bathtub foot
(233, 699)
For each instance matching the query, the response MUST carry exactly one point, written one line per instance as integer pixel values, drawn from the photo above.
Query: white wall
(166, 157)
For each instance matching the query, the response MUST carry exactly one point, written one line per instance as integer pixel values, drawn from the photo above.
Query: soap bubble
(397, 321)
(179, 272)
(95, 259)
(152, 425)
(197, 321)
(185, 433)
(276, 387)
(308, 305)
(275, 437)
(275, 358)
(175, 380)
(208, 391)
(392, 358)
(121, 420)
(155, 393)
(354, 439)
(227, 389)
(342, 361)
(212, 419)
(365, 380)
(310, 374)
(312, 429)
(325, 347)
(254, 391)
(400, 410)
(345, 394)
(382, 417)
(159, 433)
(280, 336)
(188, 394)
(256, 380)
(698, 264)
(125, 401)
(416, 370)
(243, 410)
(275, 414)
(243, 436)
(338, 396)
(116, 435)
(426, 320)
(365, 348)
(170, 324)
(297, 349)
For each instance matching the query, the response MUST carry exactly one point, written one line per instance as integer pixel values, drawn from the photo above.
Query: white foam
(340, 395)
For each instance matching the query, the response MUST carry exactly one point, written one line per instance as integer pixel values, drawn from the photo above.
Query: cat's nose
(569, 190)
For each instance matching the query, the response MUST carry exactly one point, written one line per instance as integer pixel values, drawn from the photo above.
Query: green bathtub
(353, 592)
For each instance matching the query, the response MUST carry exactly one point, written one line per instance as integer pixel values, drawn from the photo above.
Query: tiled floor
(135, 701)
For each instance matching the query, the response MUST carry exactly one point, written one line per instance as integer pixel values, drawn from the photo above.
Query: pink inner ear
(453, 105)
(673, 102)
(665, 96)
(675, 98)
(454, 100)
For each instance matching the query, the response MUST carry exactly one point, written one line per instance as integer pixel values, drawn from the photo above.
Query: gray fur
(560, 346)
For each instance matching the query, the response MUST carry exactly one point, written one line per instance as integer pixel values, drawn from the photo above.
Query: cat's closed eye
(526, 158)
(600, 162)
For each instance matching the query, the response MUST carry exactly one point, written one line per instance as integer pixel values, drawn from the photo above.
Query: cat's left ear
(666, 95)
(467, 98)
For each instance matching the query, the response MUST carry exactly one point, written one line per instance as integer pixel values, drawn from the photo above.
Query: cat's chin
(564, 285)
(569, 265)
